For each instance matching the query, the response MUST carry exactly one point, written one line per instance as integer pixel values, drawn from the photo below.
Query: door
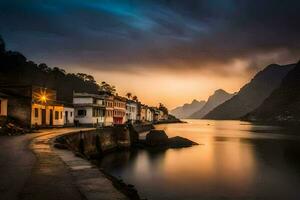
(66, 117)
(43, 116)
(51, 117)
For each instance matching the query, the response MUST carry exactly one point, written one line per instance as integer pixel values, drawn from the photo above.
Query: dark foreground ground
(30, 169)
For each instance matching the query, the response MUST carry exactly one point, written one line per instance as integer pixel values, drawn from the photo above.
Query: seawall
(96, 142)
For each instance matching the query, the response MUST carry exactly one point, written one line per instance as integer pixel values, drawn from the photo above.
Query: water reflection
(237, 160)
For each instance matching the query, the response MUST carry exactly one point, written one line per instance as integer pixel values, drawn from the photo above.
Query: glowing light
(43, 98)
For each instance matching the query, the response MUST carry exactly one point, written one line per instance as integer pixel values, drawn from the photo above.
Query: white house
(89, 109)
(131, 111)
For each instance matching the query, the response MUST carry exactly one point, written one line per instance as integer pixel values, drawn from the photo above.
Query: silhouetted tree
(129, 95)
(163, 108)
(135, 98)
(15, 69)
(106, 88)
(2, 45)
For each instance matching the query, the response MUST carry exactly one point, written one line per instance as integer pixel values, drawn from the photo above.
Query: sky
(169, 51)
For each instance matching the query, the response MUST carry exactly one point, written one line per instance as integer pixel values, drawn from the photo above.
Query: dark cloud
(169, 34)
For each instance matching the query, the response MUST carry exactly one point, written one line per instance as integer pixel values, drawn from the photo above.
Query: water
(236, 160)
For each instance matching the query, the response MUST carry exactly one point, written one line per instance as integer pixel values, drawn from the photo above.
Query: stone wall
(143, 127)
(97, 142)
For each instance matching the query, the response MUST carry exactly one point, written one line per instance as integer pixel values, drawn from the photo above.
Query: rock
(179, 142)
(157, 138)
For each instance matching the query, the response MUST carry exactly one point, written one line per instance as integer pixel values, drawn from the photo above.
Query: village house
(119, 110)
(109, 110)
(131, 111)
(156, 114)
(89, 109)
(33, 106)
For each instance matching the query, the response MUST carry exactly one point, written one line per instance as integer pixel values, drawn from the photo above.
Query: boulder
(179, 142)
(157, 138)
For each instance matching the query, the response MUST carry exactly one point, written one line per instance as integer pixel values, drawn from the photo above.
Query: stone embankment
(96, 143)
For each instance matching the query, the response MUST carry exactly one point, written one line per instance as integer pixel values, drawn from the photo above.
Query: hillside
(252, 94)
(17, 70)
(219, 97)
(283, 105)
(187, 109)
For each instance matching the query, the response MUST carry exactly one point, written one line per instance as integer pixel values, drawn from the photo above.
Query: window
(36, 112)
(97, 112)
(56, 115)
(71, 113)
(81, 113)
(61, 115)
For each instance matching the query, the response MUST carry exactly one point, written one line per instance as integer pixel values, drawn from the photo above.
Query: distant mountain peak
(187, 109)
(220, 91)
(217, 98)
(195, 101)
(252, 94)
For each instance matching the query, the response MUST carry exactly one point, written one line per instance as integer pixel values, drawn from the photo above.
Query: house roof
(84, 94)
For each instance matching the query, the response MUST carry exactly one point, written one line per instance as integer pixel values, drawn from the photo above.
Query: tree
(135, 98)
(2, 45)
(129, 95)
(163, 108)
(44, 67)
(106, 88)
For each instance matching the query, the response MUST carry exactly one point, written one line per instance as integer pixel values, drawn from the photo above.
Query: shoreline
(69, 142)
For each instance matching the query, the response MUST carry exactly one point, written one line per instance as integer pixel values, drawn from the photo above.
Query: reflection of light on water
(235, 162)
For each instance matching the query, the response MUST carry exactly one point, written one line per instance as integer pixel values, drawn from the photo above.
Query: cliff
(283, 105)
(252, 94)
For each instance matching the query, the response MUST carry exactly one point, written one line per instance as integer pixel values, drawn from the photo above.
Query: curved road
(35, 176)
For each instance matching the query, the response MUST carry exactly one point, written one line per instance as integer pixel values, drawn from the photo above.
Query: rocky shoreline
(94, 145)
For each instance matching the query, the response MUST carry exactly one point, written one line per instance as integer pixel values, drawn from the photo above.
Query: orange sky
(170, 88)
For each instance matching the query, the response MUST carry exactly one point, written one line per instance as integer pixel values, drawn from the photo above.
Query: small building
(156, 114)
(3, 104)
(131, 111)
(119, 110)
(109, 110)
(33, 105)
(89, 108)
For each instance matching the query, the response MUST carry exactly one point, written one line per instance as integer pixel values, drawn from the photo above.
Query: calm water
(237, 160)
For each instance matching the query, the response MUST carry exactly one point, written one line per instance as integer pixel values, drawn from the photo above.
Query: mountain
(186, 110)
(15, 69)
(283, 105)
(219, 97)
(252, 94)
